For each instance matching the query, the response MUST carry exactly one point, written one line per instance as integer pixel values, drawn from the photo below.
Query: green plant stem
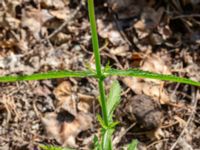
(95, 44)
(103, 100)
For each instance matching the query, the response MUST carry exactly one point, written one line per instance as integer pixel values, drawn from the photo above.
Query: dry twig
(189, 119)
(66, 22)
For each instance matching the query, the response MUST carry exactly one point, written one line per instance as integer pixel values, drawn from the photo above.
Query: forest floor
(154, 35)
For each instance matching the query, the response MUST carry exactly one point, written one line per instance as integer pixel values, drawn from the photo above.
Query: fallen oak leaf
(71, 116)
(64, 127)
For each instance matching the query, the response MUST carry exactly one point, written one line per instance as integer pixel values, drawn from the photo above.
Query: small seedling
(110, 103)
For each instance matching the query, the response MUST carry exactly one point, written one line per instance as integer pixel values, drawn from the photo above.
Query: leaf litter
(158, 36)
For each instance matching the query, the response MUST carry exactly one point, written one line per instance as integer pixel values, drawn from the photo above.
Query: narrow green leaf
(107, 67)
(52, 147)
(113, 99)
(151, 75)
(113, 124)
(107, 139)
(132, 145)
(97, 145)
(48, 75)
(101, 121)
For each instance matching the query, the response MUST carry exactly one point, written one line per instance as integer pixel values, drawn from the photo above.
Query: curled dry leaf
(66, 123)
(150, 87)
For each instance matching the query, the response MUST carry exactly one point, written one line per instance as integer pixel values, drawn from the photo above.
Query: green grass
(108, 104)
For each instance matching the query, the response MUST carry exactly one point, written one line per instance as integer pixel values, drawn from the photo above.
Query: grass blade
(48, 75)
(145, 74)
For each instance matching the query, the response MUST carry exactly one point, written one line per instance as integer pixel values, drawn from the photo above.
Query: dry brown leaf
(66, 123)
(65, 128)
(42, 91)
(61, 38)
(154, 63)
(149, 19)
(11, 21)
(33, 20)
(140, 86)
(8, 44)
(109, 31)
(63, 14)
(120, 50)
(85, 102)
(140, 25)
(70, 102)
(63, 90)
(165, 31)
(63, 94)
(53, 3)
(150, 87)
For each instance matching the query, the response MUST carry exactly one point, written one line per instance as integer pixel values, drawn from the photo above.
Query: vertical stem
(95, 44)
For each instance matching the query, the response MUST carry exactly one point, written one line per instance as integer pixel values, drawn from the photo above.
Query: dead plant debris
(43, 35)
